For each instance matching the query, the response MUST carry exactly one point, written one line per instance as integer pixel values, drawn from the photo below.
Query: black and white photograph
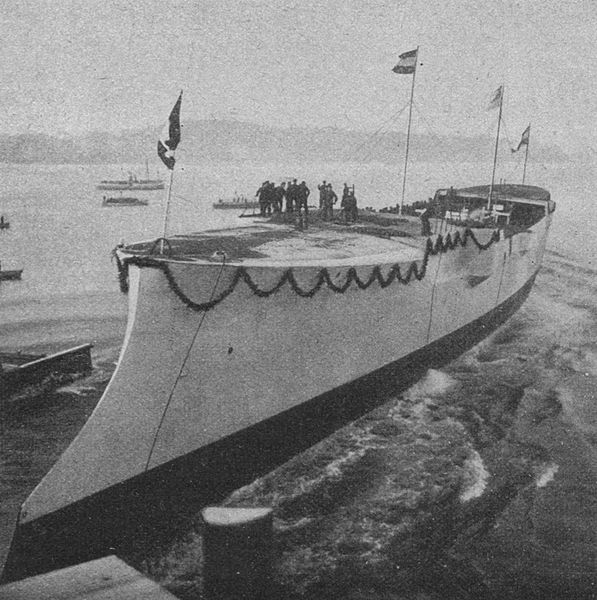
(298, 300)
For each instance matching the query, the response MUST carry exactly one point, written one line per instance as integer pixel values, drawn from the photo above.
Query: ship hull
(154, 506)
(134, 186)
(230, 368)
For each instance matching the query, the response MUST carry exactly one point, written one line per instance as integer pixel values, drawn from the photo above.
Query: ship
(236, 202)
(131, 184)
(245, 346)
(10, 274)
(123, 201)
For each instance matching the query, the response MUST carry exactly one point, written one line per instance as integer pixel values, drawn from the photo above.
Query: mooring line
(183, 365)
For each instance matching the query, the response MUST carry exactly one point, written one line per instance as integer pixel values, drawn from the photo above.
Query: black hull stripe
(152, 507)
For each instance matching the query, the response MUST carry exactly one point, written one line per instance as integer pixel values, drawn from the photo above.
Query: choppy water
(478, 482)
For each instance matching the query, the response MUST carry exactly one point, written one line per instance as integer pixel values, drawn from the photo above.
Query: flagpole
(410, 111)
(497, 142)
(526, 156)
(166, 150)
(167, 209)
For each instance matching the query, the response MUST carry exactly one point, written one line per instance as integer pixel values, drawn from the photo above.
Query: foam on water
(434, 383)
(475, 477)
(578, 395)
(547, 475)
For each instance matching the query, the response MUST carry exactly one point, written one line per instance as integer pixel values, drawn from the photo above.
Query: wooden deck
(277, 238)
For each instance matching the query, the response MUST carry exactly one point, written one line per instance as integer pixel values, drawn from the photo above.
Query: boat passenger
(291, 196)
(279, 195)
(270, 197)
(302, 195)
(345, 192)
(264, 195)
(329, 200)
(322, 187)
(349, 205)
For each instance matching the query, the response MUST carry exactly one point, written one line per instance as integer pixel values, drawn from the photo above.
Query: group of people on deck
(271, 199)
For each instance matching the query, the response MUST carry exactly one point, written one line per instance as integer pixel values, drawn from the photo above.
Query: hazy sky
(74, 66)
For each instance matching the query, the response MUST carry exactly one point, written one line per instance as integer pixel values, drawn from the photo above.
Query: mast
(410, 112)
(526, 154)
(166, 148)
(167, 209)
(497, 142)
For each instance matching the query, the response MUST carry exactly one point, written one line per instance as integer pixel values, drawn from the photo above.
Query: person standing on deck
(279, 195)
(345, 193)
(349, 205)
(329, 200)
(302, 196)
(261, 194)
(291, 196)
(322, 187)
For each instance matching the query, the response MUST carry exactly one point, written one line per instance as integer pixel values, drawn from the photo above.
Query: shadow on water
(477, 482)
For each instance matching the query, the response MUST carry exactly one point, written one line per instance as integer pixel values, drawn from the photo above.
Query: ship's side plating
(196, 392)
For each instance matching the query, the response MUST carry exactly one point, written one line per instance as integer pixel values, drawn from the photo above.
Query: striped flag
(524, 140)
(496, 99)
(170, 137)
(407, 63)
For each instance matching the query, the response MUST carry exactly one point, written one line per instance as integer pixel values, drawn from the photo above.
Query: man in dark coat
(322, 187)
(279, 195)
(264, 195)
(291, 198)
(349, 205)
(302, 195)
(329, 200)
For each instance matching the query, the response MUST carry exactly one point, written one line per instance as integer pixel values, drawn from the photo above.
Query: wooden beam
(103, 579)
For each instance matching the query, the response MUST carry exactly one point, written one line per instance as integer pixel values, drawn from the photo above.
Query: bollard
(237, 553)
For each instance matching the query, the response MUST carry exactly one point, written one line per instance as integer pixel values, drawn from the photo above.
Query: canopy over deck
(508, 192)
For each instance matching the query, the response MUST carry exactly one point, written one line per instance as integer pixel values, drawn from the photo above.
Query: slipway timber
(35, 372)
(246, 346)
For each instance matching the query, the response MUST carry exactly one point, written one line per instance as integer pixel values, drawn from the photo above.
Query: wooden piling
(237, 550)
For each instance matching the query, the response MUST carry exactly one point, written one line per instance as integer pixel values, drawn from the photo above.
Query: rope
(441, 245)
(381, 130)
(183, 364)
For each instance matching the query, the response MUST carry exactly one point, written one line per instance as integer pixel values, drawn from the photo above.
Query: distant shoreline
(236, 141)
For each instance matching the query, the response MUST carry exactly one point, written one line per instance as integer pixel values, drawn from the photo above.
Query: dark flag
(407, 63)
(524, 140)
(496, 98)
(170, 137)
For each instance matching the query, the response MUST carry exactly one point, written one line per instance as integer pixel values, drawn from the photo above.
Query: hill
(235, 141)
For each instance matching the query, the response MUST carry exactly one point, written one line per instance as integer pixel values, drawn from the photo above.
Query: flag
(407, 63)
(170, 137)
(496, 99)
(524, 140)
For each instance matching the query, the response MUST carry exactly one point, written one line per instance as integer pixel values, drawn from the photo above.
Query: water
(479, 482)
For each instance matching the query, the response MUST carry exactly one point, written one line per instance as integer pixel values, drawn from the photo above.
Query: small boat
(4, 224)
(123, 201)
(236, 202)
(7, 275)
(19, 371)
(132, 183)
